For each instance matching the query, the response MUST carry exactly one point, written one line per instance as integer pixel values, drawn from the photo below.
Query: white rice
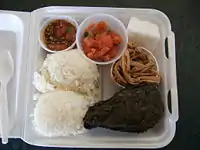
(68, 71)
(60, 113)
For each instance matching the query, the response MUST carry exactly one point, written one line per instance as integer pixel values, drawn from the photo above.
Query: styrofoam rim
(117, 21)
(44, 25)
(111, 69)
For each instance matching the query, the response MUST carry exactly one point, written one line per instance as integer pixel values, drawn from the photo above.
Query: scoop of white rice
(71, 72)
(60, 113)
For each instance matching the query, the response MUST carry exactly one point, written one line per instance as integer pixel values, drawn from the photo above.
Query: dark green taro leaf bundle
(133, 109)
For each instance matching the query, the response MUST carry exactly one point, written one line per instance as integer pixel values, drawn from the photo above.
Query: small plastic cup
(45, 24)
(112, 66)
(113, 23)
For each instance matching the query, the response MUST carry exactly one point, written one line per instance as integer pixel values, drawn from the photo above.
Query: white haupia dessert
(143, 33)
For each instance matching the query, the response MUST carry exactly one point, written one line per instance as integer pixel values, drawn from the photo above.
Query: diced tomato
(101, 35)
(99, 58)
(93, 50)
(117, 40)
(113, 53)
(104, 51)
(96, 44)
(113, 34)
(106, 57)
(87, 42)
(90, 42)
(96, 56)
(90, 55)
(85, 48)
(91, 26)
(101, 27)
(97, 37)
(107, 41)
(101, 44)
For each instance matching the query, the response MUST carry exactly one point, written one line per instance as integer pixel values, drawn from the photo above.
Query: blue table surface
(185, 19)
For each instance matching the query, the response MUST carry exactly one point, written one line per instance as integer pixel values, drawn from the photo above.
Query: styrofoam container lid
(114, 23)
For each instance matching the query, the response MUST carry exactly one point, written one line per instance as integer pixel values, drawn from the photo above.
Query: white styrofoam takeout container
(19, 32)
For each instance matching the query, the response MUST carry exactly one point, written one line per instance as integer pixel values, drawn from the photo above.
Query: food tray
(21, 34)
